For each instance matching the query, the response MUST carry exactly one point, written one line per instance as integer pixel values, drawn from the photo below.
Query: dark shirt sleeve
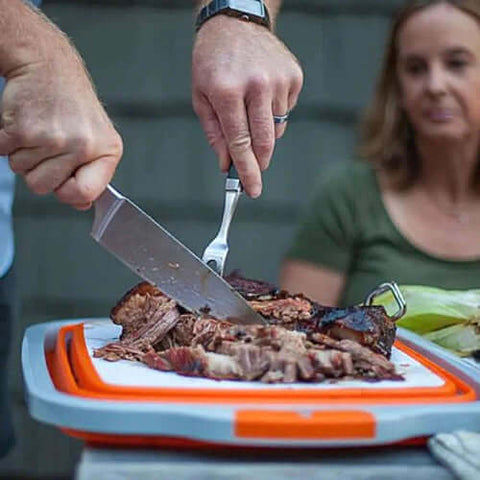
(327, 233)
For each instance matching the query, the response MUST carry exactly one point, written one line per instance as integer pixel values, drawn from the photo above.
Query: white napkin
(458, 451)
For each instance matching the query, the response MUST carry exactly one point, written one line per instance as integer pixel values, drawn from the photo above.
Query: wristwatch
(250, 10)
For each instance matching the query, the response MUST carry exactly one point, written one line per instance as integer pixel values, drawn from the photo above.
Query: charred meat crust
(368, 325)
(251, 289)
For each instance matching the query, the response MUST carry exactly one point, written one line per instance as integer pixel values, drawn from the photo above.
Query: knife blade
(158, 257)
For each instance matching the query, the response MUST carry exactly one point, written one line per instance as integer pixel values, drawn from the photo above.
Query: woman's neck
(449, 170)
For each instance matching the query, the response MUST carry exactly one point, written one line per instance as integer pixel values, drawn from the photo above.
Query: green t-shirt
(347, 229)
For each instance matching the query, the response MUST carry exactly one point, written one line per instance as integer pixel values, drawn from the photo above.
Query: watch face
(253, 10)
(249, 7)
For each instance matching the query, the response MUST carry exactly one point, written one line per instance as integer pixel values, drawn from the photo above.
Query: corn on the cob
(430, 309)
(450, 318)
(462, 339)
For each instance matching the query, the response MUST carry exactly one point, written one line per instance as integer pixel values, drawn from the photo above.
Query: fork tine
(214, 256)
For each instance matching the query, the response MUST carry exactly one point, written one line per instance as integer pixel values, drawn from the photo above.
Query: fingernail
(255, 190)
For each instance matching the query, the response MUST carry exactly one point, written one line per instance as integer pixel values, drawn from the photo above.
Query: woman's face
(438, 71)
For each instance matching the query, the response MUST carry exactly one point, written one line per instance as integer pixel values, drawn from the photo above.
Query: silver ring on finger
(278, 119)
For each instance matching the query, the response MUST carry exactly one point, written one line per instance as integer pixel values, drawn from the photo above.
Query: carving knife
(158, 257)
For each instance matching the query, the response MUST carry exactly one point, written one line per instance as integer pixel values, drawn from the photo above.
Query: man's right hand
(242, 75)
(54, 129)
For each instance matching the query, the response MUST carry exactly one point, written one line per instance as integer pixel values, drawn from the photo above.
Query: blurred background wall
(138, 53)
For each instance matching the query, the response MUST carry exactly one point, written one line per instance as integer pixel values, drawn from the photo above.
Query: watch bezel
(252, 10)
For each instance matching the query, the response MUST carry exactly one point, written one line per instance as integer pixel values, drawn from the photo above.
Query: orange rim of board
(72, 371)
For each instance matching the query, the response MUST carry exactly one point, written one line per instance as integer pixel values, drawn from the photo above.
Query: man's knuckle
(54, 143)
(264, 147)
(83, 149)
(259, 83)
(240, 143)
(85, 193)
(297, 79)
(117, 146)
(15, 164)
(36, 136)
(197, 106)
(23, 135)
(35, 185)
(283, 83)
(226, 91)
(243, 166)
(213, 138)
(262, 129)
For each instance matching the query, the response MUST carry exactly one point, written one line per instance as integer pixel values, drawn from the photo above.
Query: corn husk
(430, 309)
(462, 339)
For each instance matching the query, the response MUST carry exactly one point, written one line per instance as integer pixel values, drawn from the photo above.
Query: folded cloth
(459, 452)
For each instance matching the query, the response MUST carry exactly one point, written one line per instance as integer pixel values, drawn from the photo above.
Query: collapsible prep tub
(126, 403)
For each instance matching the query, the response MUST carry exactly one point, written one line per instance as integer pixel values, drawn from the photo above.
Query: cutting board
(126, 403)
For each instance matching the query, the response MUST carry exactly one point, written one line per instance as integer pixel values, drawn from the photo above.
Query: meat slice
(364, 363)
(369, 326)
(251, 289)
(284, 310)
(181, 334)
(137, 307)
(146, 316)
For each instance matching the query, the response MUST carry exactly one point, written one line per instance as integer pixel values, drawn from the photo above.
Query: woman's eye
(457, 63)
(414, 68)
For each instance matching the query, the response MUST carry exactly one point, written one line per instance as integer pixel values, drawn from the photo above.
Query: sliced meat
(137, 307)
(194, 362)
(157, 319)
(251, 289)
(303, 340)
(284, 310)
(369, 326)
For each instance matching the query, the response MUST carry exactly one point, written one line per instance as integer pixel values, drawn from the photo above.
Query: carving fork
(216, 252)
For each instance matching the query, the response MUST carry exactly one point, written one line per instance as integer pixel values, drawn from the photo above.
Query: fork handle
(232, 172)
(233, 183)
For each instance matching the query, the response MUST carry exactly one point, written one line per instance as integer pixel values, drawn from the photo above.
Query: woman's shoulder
(347, 179)
(349, 171)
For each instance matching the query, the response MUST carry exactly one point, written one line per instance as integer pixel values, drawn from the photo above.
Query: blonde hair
(386, 135)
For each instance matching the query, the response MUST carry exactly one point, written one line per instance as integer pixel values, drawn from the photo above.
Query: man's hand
(243, 75)
(54, 129)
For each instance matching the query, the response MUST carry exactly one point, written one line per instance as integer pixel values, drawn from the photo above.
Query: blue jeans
(6, 315)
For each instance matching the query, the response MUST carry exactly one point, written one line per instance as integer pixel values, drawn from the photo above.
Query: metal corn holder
(397, 295)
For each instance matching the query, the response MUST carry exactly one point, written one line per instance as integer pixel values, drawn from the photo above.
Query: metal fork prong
(216, 252)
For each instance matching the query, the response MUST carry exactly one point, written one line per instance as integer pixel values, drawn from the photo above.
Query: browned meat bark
(251, 289)
(370, 326)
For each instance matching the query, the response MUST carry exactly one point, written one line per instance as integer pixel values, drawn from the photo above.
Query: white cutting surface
(133, 374)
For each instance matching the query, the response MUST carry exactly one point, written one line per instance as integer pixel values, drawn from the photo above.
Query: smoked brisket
(303, 341)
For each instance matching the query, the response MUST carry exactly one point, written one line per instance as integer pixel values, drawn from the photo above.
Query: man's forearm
(26, 35)
(273, 7)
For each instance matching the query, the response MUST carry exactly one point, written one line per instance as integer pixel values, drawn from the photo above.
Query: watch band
(251, 10)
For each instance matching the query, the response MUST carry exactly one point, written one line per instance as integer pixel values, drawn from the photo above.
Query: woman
(411, 213)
